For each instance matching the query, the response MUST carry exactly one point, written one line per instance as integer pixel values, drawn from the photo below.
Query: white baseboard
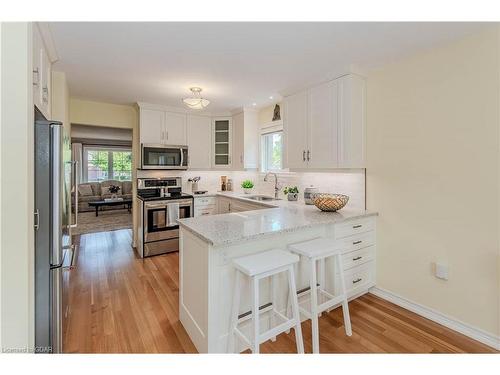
(447, 321)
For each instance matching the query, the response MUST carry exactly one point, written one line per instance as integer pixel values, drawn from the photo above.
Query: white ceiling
(236, 64)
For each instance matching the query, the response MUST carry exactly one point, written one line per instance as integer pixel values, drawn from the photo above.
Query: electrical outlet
(441, 271)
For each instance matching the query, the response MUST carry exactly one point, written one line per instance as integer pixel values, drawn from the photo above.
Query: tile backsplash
(351, 182)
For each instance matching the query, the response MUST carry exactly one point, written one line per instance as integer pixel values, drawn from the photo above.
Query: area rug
(106, 221)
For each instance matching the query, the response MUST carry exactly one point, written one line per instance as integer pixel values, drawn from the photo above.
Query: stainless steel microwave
(157, 156)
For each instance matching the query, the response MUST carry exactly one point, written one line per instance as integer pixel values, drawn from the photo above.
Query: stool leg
(295, 310)
(273, 301)
(345, 304)
(255, 315)
(289, 301)
(314, 307)
(234, 312)
(321, 280)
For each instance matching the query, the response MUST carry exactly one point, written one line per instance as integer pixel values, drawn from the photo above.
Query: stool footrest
(264, 336)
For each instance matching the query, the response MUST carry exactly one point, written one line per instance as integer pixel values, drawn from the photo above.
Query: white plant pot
(248, 190)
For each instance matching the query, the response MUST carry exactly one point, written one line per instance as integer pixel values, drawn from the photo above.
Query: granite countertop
(282, 216)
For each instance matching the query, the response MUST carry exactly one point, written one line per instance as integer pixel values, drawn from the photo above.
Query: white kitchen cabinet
(175, 128)
(237, 205)
(223, 205)
(222, 142)
(199, 135)
(246, 140)
(352, 122)
(295, 129)
(152, 126)
(238, 141)
(205, 206)
(37, 68)
(42, 69)
(162, 127)
(325, 126)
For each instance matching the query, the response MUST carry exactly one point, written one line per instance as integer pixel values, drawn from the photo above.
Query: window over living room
(107, 163)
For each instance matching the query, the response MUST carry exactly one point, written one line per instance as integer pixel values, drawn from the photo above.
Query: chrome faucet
(276, 187)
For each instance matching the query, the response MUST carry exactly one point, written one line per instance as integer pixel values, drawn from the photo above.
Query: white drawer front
(357, 257)
(209, 210)
(353, 227)
(358, 278)
(357, 241)
(205, 201)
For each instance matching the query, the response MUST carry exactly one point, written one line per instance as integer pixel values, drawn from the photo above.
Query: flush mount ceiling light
(196, 101)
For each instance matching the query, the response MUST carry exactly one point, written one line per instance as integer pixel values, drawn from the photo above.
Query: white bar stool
(259, 266)
(318, 250)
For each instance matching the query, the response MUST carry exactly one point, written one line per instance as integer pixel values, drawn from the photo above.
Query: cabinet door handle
(45, 95)
(356, 226)
(308, 155)
(304, 155)
(37, 81)
(357, 280)
(357, 258)
(36, 223)
(357, 242)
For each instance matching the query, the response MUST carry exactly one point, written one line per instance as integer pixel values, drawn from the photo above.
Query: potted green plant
(292, 193)
(247, 186)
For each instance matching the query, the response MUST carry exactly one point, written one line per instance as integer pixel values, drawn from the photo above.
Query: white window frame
(110, 150)
(263, 149)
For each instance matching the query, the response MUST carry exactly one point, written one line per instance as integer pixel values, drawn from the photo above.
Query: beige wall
(16, 196)
(433, 175)
(86, 112)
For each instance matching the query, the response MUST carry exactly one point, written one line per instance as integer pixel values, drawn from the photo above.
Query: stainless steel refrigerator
(53, 182)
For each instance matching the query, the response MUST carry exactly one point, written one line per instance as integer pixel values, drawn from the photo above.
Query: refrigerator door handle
(77, 182)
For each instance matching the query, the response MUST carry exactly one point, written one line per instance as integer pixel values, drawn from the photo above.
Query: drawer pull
(357, 280)
(357, 226)
(357, 258)
(357, 242)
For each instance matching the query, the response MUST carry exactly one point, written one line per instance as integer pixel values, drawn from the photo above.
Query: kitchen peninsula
(209, 243)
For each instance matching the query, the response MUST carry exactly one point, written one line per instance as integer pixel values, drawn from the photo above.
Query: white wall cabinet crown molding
(325, 126)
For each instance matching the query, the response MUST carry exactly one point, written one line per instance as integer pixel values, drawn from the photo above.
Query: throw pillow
(85, 190)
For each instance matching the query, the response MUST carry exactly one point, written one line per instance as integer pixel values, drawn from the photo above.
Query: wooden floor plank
(119, 303)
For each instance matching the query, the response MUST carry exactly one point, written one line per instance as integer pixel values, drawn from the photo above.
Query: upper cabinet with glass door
(222, 136)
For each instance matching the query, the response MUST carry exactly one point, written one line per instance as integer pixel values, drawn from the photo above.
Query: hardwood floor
(118, 303)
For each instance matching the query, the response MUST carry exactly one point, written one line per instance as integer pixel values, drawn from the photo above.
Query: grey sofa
(98, 191)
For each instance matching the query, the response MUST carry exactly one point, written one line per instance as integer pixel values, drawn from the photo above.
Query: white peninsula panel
(209, 243)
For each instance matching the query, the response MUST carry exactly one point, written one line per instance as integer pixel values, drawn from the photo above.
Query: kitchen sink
(262, 198)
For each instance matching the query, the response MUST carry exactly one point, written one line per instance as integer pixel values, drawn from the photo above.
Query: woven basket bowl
(329, 202)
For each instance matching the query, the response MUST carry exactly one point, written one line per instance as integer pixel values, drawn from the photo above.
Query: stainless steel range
(161, 204)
